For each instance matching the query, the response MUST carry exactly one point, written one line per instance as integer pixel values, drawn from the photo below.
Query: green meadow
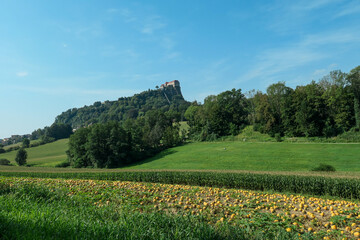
(47, 155)
(255, 156)
(230, 155)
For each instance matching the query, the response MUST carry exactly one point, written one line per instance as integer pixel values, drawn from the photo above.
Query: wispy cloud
(22, 74)
(70, 91)
(312, 48)
(152, 23)
(81, 31)
(336, 37)
(172, 55)
(112, 10)
(112, 51)
(310, 5)
(319, 73)
(286, 17)
(127, 15)
(351, 8)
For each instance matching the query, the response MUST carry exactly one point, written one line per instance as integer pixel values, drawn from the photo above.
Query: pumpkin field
(57, 208)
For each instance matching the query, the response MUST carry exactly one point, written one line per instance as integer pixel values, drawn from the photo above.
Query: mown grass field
(256, 156)
(47, 155)
(228, 155)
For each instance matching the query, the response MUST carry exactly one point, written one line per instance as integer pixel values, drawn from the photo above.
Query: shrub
(63, 164)
(21, 157)
(324, 168)
(278, 137)
(4, 161)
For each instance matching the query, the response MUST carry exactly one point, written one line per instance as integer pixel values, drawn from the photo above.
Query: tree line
(325, 108)
(115, 144)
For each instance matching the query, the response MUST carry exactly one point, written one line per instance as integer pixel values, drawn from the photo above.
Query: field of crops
(314, 185)
(64, 208)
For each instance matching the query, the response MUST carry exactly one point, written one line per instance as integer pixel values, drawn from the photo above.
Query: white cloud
(151, 24)
(112, 10)
(22, 74)
(319, 73)
(351, 8)
(340, 36)
(172, 55)
(310, 5)
(112, 51)
(71, 91)
(270, 63)
(128, 15)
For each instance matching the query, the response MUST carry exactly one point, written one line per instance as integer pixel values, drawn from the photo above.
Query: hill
(47, 155)
(167, 98)
(236, 155)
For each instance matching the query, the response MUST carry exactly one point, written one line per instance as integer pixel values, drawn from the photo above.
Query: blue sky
(56, 55)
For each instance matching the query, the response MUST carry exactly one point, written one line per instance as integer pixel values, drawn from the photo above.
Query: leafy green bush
(4, 161)
(63, 164)
(278, 137)
(324, 168)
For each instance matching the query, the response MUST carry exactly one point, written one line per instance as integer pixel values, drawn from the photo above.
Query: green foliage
(350, 136)
(127, 108)
(323, 109)
(21, 157)
(58, 131)
(354, 79)
(220, 115)
(278, 137)
(114, 144)
(26, 143)
(63, 165)
(324, 168)
(4, 161)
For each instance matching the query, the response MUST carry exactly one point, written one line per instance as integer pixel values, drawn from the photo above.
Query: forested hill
(167, 99)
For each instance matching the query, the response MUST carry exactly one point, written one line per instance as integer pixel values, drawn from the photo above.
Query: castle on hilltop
(174, 83)
(171, 89)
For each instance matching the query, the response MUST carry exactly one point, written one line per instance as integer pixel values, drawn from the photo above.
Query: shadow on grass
(158, 156)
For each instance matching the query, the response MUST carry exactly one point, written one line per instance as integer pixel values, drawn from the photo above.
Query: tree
(2, 150)
(277, 95)
(21, 157)
(339, 102)
(354, 80)
(310, 115)
(59, 131)
(26, 143)
(77, 153)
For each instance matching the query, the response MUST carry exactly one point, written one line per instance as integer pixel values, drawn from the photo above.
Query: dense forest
(325, 108)
(168, 99)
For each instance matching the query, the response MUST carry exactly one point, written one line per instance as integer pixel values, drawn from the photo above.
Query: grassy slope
(235, 155)
(47, 155)
(256, 156)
